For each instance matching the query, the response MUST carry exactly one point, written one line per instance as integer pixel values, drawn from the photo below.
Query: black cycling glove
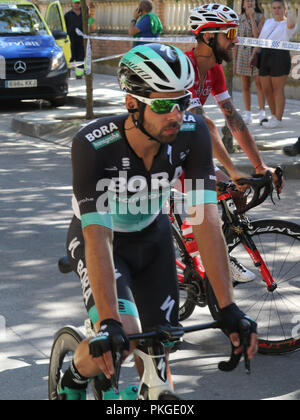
(230, 318)
(111, 337)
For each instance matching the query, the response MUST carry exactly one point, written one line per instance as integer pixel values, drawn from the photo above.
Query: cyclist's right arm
(98, 236)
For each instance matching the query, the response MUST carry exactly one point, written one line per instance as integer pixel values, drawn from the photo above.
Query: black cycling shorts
(145, 272)
(274, 63)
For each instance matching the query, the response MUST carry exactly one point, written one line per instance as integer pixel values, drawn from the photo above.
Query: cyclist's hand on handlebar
(235, 176)
(230, 318)
(278, 179)
(110, 339)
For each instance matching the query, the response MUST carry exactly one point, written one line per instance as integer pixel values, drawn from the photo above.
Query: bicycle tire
(187, 302)
(277, 311)
(168, 396)
(65, 341)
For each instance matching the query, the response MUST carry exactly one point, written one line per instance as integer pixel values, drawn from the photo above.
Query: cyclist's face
(225, 47)
(164, 127)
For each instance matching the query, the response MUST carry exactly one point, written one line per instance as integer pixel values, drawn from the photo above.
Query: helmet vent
(156, 70)
(142, 56)
(162, 87)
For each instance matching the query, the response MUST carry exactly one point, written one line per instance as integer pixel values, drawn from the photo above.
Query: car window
(20, 20)
(53, 20)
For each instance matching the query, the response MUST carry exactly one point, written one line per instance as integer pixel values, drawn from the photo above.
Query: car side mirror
(59, 34)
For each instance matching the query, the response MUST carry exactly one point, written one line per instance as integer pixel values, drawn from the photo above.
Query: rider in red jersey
(215, 27)
(214, 83)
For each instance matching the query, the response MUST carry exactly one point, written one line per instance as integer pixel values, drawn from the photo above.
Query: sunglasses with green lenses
(166, 105)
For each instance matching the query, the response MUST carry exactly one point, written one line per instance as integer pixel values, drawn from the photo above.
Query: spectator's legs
(246, 85)
(278, 84)
(260, 93)
(267, 87)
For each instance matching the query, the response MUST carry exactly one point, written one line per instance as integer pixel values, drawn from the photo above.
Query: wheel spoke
(278, 243)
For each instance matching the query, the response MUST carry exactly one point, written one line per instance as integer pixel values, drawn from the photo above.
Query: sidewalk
(60, 125)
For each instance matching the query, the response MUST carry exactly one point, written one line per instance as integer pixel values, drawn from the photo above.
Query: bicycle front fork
(258, 261)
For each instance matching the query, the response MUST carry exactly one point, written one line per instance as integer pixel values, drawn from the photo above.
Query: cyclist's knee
(83, 361)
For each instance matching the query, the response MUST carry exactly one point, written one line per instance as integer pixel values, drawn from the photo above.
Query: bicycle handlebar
(262, 186)
(168, 333)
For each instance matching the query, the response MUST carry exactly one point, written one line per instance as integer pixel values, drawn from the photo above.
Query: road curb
(62, 131)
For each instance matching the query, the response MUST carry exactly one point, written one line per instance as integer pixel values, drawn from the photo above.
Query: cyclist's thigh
(155, 288)
(76, 255)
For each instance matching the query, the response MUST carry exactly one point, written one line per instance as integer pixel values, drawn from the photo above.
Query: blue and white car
(32, 64)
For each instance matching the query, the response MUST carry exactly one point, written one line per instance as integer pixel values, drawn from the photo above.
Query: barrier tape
(249, 42)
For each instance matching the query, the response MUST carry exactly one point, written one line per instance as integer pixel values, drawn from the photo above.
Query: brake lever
(232, 363)
(279, 174)
(117, 357)
(115, 378)
(245, 338)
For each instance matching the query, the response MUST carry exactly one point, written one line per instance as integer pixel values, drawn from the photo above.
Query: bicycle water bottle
(192, 247)
(190, 242)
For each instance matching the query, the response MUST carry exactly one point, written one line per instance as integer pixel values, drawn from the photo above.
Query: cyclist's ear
(131, 104)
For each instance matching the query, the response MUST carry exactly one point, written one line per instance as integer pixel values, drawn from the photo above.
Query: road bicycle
(154, 384)
(270, 248)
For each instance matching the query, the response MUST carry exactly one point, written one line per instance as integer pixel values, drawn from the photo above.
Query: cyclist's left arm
(207, 229)
(243, 136)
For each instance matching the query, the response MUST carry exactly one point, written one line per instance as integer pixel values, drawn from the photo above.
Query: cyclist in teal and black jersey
(119, 241)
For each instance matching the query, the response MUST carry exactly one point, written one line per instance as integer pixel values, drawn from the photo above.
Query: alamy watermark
(2, 328)
(123, 196)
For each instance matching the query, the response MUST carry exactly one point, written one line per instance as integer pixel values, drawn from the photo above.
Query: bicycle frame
(238, 226)
(151, 350)
(154, 381)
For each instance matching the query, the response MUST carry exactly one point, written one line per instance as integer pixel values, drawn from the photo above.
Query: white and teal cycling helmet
(155, 68)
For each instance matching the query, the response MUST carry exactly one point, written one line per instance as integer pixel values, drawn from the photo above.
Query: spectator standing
(251, 23)
(275, 65)
(73, 20)
(144, 24)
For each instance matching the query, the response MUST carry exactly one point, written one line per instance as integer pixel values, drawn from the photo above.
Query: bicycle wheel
(65, 343)
(277, 312)
(187, 290)
(168, 396)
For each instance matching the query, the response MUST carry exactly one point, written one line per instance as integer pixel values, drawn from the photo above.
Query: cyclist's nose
(175, 113)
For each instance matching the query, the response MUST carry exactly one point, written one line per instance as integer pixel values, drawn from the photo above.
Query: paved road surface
(35, 300)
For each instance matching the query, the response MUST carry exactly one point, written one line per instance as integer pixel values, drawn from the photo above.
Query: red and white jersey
(214, 83)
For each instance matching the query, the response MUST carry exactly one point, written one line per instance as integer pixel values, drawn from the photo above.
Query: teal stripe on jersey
(97, 218)
(195, 198)
(125, 308)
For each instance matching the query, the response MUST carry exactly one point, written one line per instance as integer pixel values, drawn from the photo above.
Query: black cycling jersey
(145, 272)
(113, 189)
(112, 186)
